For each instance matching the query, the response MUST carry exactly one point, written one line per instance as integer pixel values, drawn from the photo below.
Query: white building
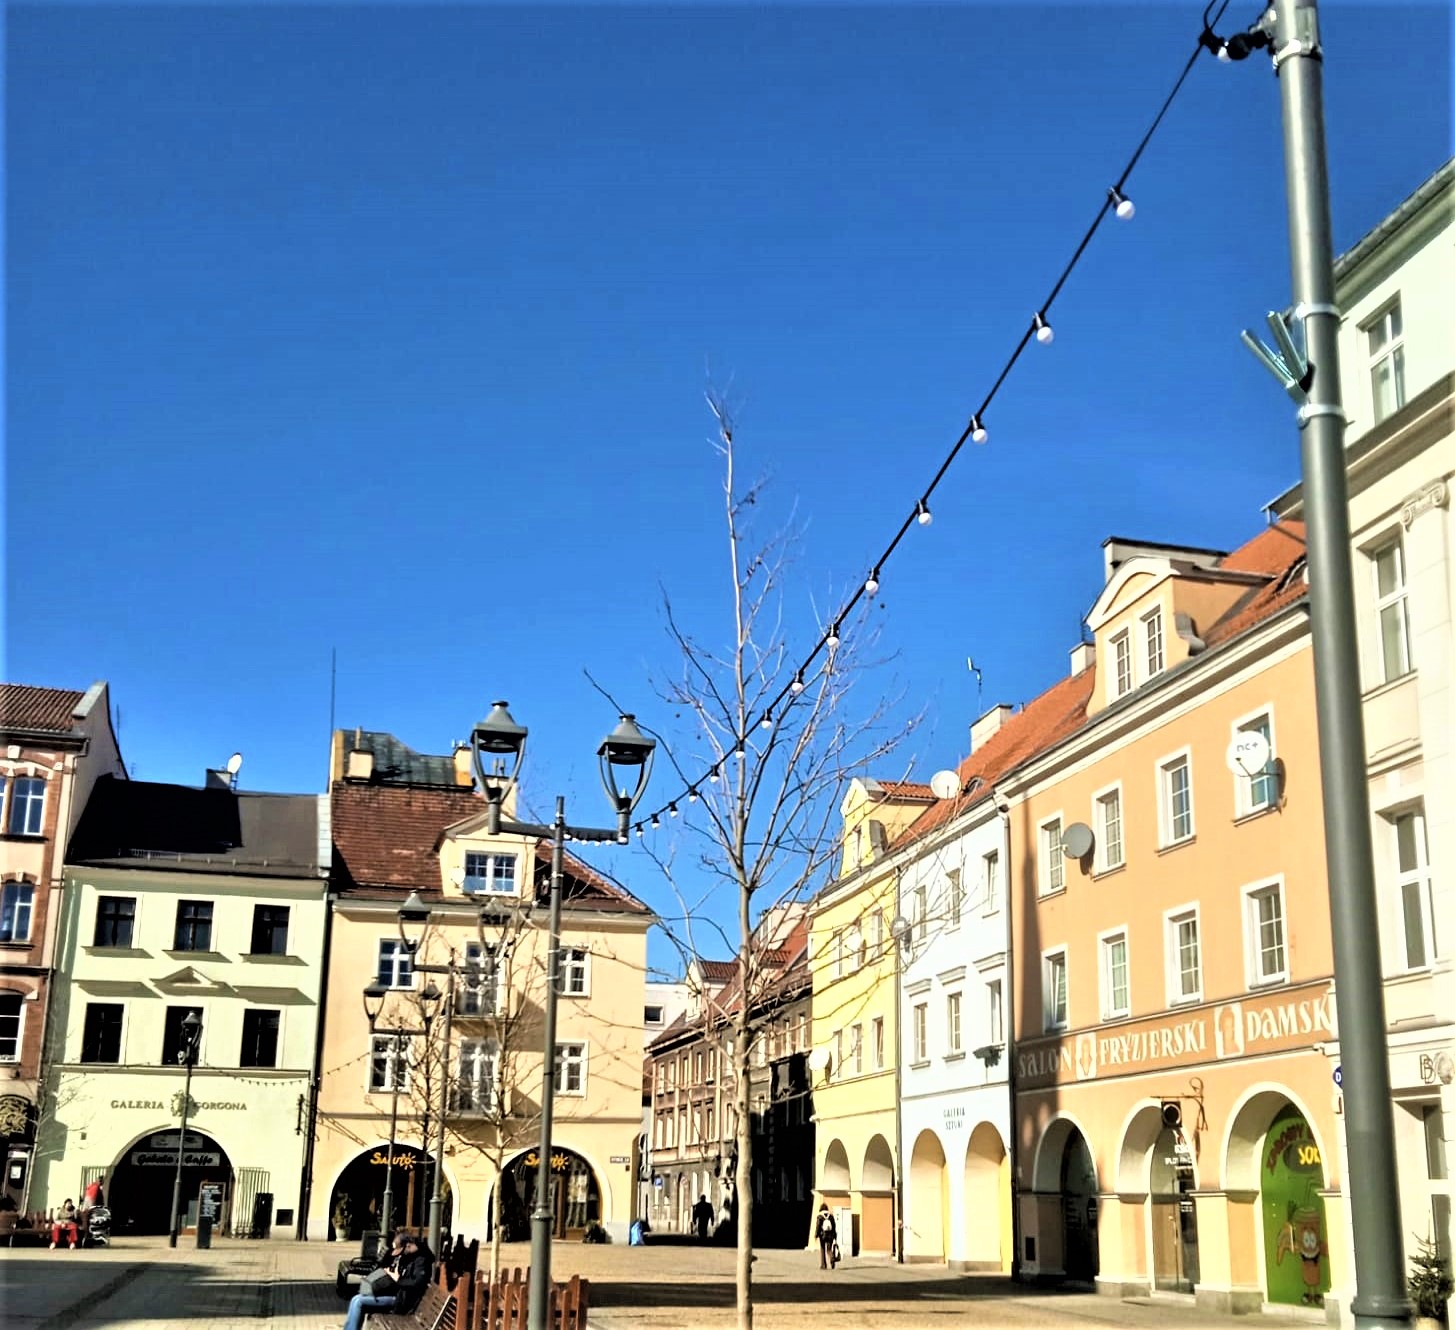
(1396, 292)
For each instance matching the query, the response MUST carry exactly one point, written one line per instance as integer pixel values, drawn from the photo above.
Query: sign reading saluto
(1277, 1022)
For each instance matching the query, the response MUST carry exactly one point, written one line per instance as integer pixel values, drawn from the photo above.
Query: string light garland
(1116, 203)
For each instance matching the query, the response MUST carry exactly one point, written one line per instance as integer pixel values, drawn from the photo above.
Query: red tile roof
(718, 972)
(25, 707)
(906, 789)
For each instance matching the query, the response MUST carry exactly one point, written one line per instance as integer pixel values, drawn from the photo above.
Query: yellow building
(855, 983)
(406, 822)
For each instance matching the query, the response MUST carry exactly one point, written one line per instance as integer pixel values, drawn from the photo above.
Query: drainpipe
(898, 1081)
(315, 1084)
(1007, 1015)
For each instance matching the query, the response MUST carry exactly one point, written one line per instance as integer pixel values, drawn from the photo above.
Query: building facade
(185, 901)
(56, 744)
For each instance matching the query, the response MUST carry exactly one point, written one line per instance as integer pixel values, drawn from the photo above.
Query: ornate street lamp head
(626, 765)
(497, 745)
(413, 917)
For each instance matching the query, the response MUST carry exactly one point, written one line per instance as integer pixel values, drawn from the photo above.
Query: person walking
(702, 1217)
(827, 1233)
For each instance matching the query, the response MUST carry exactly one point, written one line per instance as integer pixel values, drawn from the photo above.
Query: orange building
(1175, 1118)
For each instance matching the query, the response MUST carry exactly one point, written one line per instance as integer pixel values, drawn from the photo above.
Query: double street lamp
(187, 1056)
(497, 745)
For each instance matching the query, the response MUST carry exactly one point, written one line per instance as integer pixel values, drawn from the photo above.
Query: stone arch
(1248, 1123)
(987, 1198)
(1140, 1129)
(1046, 1169)
(400, 1143)
(878, 1174)
(929, 1188)
(836, 1177)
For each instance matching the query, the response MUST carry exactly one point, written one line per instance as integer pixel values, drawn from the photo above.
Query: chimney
(464, 773)
(359, 763)
(984, 729)
(217, 780)
(1083, 657)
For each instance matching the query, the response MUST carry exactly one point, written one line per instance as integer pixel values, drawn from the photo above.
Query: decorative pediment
(189, 980)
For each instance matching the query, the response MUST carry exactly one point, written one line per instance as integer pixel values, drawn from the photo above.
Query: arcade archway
(575, 1194)
(140, 1192)
(356, 1204)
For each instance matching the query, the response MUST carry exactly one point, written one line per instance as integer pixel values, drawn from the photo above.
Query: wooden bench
(436, 1311)
(506, 1304)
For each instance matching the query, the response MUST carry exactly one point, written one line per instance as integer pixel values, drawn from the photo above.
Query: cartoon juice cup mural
(1295, 1235)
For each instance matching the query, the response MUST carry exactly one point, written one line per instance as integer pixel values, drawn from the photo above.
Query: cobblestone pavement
(145, 1285)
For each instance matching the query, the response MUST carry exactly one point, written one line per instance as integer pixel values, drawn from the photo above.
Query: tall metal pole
(386, 1216)
(1373, 1198)
(542, 1218)
(437, 1201)
(187, 1053)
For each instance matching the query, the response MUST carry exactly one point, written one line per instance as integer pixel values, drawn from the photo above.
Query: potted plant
(1429, 1285)
(343, 1218)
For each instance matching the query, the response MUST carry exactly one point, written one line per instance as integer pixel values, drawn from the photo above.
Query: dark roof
(49, 710)
(396, 763)
(128, 823)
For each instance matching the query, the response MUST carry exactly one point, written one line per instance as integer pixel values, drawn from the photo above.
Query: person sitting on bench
(65, 1226)
(415, 1265)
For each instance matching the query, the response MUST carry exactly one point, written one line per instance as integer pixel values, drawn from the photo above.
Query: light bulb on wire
(871, 584)
(692, 794)
(767, 721)
(656, 822)
(713, 775)
(978, 432)
(832, 640)
(922, 513)
(797, 686)
(639, 831)
(1123, 206)
(741, 750)
(1043, 330)
(672, 810)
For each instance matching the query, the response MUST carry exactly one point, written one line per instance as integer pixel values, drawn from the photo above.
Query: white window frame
(1172, 921)
(1154, 633)
(20, 1005)
(854, 947)
(571, 1054)
(1050, 856)
(1243, 804)
(1122, 677)
(954, 898)
(1396, 601)
(490, 880)
(33, 804)
(990, 862)
(837, 942)
(995, 1010)
(1103, 862)
(1392, 351)
(487, 998)
(574, 967)
(876, 1033)
(1105, 942)
(1251, 895)
(920, 1029)
(397, 1063)
(398, 953)
(25, 909)
(921, 898)
(1049, 959)
(480, 1071)
(954, 1023)
(1166, 837)
(1419, 879)
(856, 1047)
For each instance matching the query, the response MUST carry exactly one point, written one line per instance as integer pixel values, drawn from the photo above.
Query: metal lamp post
(625, 755)
(374, 996)
(187, 1055)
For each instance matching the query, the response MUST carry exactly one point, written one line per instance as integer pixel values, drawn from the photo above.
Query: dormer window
(489, 874)
(1156, 656)
(1121, 655)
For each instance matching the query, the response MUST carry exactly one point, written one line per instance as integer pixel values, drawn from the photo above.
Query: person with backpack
(827, 1233)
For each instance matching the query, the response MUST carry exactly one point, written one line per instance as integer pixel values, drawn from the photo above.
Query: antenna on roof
(979, 681)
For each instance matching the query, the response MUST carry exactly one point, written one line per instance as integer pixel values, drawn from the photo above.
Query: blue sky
(386, 329)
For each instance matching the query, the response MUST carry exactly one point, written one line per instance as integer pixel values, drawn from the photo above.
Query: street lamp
(498, 745)
(187, 1056)
(374, 996)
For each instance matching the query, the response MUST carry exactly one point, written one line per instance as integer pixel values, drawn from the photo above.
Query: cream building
(412, 822)
(182, 900)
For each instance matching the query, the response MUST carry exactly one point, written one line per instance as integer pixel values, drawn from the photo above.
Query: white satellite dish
(234, 764)
(819, 1059)
(1248, 754)
(1077, 840)
(945, 784)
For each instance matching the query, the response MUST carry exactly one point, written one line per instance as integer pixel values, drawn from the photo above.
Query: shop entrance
(1079, 1209)
(140, 1194)
(1295, 1234)
(575, 1195)
(356, 1204)
(1174, 1214)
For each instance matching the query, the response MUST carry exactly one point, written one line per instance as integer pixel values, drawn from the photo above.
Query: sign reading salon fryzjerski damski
(1286, 1019)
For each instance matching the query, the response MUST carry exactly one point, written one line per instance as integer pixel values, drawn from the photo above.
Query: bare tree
(779, 743)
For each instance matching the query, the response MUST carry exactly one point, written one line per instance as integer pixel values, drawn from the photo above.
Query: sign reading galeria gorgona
(1286, 1019)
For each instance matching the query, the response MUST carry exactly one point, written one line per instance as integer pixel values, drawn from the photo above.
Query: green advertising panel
(1295, 1234)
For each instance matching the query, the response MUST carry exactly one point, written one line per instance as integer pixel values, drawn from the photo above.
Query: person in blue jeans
(415, 1265)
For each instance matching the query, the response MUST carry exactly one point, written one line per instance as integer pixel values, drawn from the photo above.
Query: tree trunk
(743, 1181)
(497, 1209)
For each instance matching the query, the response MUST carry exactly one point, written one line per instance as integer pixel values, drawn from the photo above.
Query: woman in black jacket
(416, 1265)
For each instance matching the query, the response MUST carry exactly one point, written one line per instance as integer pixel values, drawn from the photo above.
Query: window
(259, 1038)
(1053, 990)
(1109, 853)
(856, 1048)
(115, 916)
(921, 914)
(1174, 789)
(476, 1089)
(1184, 957)
(652, 1016)
(194, 926)
(838, 1053)
(952, 1023)
(388, 1064)
(876, 1028)
(571, 1068)
(1053, 863)
(174, 1036)
(854, 948)
(101, 1037)
(575, 972)
(955, 893)
(1152, 636)
(481, 989)
(27, 806)
(1392, 609)
(1416, 891)
(1268, 963)
(1121, 653)
(492, 874)
(921, 1031)
(17, 900)
(838, 946)
(10, 1018)
(396, 964)
(992, 882)
(1115, 985)
(270, 930)
(1386, 361)
(995, 1001)
(1253, 794)
(876, 927)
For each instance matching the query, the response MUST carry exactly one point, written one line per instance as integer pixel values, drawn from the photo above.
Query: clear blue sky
(386, 329)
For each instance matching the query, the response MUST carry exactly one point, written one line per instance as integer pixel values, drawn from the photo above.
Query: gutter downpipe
(898, 1078)
(1008, 1018)
(315, 1082)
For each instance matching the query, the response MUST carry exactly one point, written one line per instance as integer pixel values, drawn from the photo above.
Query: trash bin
(262, 1214)
(204, 1231)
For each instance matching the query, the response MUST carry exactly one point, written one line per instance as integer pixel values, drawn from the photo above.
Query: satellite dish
(819, 1059)
(1249, 752)
(1077, 840)
(234, 764)
(945, 784)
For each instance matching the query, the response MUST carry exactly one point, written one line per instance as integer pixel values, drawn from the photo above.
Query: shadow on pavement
(849, 1288)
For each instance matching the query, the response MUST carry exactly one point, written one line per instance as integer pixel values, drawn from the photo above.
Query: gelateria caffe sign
(1287, 1019)
(159, 1150)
